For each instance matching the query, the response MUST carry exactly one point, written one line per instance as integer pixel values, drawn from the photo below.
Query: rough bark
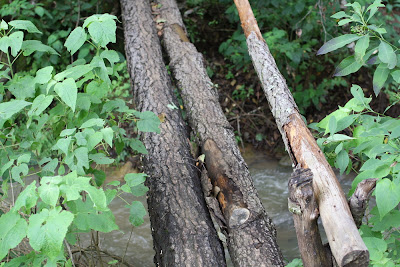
(182, 229)
(345, 242)
(359, 200)
(251, 235)
(304, 208)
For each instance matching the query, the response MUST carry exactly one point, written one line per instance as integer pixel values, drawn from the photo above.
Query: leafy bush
(63, 124)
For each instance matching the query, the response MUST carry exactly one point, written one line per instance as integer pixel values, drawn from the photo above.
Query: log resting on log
(251, 235)
(344, 239)
(182, 230)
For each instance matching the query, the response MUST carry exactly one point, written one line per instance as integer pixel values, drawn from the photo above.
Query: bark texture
(345, 242)
(359, 200)
(304, 208)
(251, 234)
(182, 229)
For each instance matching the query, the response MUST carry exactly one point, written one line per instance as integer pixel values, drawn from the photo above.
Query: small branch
(359, 200)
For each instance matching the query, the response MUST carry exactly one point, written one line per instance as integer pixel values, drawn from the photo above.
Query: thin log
(305, 212)
(359, 200)
(251, 236)
(182, 230)
(344, 239)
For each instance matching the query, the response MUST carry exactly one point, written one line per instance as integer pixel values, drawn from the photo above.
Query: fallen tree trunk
(182, 229)
(251, 235)
(345, 242)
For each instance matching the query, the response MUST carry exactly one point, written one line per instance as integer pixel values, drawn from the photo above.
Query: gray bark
(182, 229)
(251, 234)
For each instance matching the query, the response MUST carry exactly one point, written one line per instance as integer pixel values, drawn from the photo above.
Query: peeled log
(345, 242)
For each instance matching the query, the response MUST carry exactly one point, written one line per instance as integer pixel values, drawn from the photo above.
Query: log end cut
(356, 258)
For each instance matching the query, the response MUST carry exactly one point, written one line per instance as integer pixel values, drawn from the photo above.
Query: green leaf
(139, 190)
(361, 47)
(47, 230)
(63, 144)
(138, 146)
(100, 158)
(22, 87)
(376, 247)
(6, 166)
(16, 39)
(82, 157)
(98, 88)
(92, 122)
(387, 196)
(373, 8)
(67, 132)
(74, 72)
(17, 170)
(137, 211)
(149, 122)
(396, 76)
(103, 31)
(94, 140)
(111, 55)
(24, 158)
(347, 66)
(27, 198)
(339, 15)
(338, 138)
(12, 107)
(40, 103)
(75, 40)
(99, 177)
(100, 68)
(49, 193)
(30, 46)
(13, 229)
(332, 125)
(337, 43)
(342, 160)
(43, 75)
(134, 179)
(380, 76)
(3, 25)
(387, 55)
(24, 25)
(108, 135)
(67, 91)
(344, 21)
(98, 197)
(73, 186)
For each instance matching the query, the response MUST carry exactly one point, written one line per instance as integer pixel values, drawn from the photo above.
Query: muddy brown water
(270, 179)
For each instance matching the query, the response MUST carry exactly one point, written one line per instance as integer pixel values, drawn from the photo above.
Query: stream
(270, 179)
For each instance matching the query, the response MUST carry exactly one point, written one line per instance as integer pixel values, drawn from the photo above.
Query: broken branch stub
(344, 239)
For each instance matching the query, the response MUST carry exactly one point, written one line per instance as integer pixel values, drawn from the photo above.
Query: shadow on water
(270, 179)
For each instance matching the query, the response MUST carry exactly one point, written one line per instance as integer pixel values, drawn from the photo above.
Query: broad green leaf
(108, 135)
(137, 211)
(3, 25)
(27, 198)
(138, 146)
(337, 43)
(5, 43)
(74, 72)
(338, 138)
(344, 21)
(139, 190)
(94, 140)
(396, 76)
(82, 157)
(98, 197)
(17, 170)
(30, 46)
(342, 160)
(134, 179)
(338, 114)
(43, 75)
(12, 107)
(40, 103)
(100, 68)
(50, 167)
(16, 39)
(49, 193)
(373, 8)
(387, 55)
(73, 186)
(103, 31)
(332, 125)
(6, 166)
(63, 145)
(22, 87)
(126, 188)
(98, 88)
(376, 247)
(99, 178)
(92, 122)
(24, 158)
(111, 55)
(387, 196)
(149, 122)
(96, 17)
(13, 229)
(347, 66)
(100, 158)
(75, 40)
(361, 47)
(47, 230)
(380, 76)
(67, 91)
(24, 25)
(67, 132)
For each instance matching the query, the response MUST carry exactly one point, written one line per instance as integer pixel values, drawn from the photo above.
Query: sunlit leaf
(337, 43)
(387, 55)
(347, 66)
(75, 40)
(67, 91)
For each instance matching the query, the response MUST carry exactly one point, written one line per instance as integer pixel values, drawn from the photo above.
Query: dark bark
(182, 229)
(251, 234)
(344, 239)
(304, 208)
(359, 200)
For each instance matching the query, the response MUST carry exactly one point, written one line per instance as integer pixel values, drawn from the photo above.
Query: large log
(182, 230)
(344, 239)
(251, 235)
